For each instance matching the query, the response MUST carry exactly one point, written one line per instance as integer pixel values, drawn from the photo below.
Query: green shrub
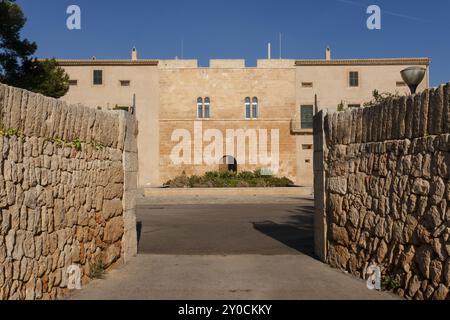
(391, 283)
(97, 269)
(229, 179)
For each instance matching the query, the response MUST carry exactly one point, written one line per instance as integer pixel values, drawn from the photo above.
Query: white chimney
(328, 54)
(134, 55)
(269, 51)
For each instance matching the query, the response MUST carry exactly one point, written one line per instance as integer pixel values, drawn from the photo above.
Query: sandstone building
(281, 95)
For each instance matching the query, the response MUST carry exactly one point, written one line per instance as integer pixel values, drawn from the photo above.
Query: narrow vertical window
(248, 108)
(354, 79)
(255, 108)
(207, 108)
(200, 108)
(98, 77)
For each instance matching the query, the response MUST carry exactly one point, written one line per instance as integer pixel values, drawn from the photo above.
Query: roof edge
(344, 62)
(111, 62)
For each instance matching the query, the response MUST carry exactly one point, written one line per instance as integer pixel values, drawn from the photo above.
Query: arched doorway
(228, 163)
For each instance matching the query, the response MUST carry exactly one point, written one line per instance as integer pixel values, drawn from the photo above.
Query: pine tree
(18, 67)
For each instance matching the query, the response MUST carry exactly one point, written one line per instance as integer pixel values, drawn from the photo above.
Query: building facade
(196, 119)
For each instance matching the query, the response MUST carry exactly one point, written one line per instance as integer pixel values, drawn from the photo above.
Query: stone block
(114, 230)
(337, 185)
(446, 109)
(436, 108)
(131, 163)
(423, 115)
(112, 208)
(417, 106)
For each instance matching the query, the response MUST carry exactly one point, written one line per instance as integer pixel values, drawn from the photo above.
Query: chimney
(269, 51)
(328, 54)
(134, 55)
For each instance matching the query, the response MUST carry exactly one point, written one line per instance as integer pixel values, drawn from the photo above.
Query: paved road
(226, 229)
(227, 251)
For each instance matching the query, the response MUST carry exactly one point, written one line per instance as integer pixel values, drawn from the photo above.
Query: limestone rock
(382, 251)
(111, 255)
(339, 235)
(113, 191)
(10, 242)
(338, 256)
(446, 274)
(337, 185)
(406, 257)
(436, 271)
(437, 190)
(414, 286)
(441, 293)
(112, 208)
(421, 187)
(113, 230)
(423, 259)
(353, 217)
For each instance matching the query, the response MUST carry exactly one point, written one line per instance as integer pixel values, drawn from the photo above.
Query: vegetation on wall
(18, 67)
(379, 98)
(228, 179)
(76, 143)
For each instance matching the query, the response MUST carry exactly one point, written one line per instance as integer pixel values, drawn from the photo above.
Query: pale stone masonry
(67, 177)
(165, 94)
(384, 174)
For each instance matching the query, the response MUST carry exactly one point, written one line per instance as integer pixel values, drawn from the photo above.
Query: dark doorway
(228, 163)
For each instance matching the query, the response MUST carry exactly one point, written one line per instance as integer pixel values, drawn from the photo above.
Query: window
(255, 108)
(248, 108)
(401, 84)
(354, 79)
(73, 82)
(307, 84)
(200, 108)
(98, 77)
(306, 115)
(125, 83)
(352, 106)
(203, 108)
(206, 110)
(307, 146)
(251, 108)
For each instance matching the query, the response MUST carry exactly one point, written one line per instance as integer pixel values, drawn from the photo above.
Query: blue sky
(242, 28)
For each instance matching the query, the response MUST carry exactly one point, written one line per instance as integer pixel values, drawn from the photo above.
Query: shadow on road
(138, 231)
(297, 232)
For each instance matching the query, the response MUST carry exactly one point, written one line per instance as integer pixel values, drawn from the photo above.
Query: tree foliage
(18, 67)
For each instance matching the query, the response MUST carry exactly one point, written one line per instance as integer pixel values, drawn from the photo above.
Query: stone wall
(67, 175)
(383, 192)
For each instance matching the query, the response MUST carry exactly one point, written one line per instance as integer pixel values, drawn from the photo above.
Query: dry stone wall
(383, 192)
(67, 177)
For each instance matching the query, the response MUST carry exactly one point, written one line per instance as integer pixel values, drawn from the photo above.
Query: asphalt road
(226, 229)
(227, 251)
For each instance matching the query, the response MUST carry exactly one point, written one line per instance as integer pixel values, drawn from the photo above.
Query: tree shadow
(297, 232)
